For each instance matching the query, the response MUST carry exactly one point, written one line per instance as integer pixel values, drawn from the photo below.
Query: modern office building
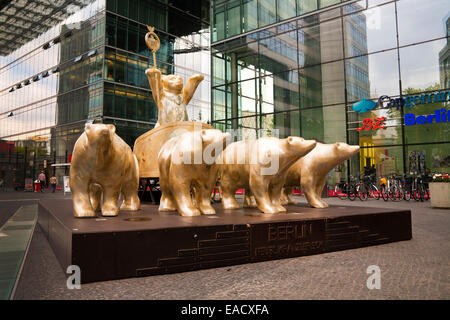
(302, 66)
(63, 63)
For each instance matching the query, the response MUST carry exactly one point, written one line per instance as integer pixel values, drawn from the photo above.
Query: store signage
(375, 124)
(408, 102)
(440, 115)
(412, 100)
(364, 106)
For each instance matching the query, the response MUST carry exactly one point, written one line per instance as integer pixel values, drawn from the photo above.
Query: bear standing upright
(103, 163)
(311, 171)
(186, 165)
(260, 167)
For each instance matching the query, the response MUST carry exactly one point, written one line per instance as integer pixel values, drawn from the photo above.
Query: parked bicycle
(393, 189)
(419, 188)
(345, 190)
(367, 188)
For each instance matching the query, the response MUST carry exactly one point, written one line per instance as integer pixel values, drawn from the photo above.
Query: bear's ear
(87, 127)
(111, 128)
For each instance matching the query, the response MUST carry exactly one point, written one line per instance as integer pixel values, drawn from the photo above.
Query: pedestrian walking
(53, 183)
(42, 180)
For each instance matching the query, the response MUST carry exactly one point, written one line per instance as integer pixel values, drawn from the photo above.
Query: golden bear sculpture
(102, 163)
(186, 165)
(259, 166)
(311, 171)
(170, 96)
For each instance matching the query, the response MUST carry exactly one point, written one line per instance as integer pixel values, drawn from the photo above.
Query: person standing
(42, 180)
(53, 182)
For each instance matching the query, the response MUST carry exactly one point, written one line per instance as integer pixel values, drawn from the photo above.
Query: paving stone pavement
(415, 269)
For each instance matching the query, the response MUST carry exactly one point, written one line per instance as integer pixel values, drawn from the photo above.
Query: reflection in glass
(370, 30)
(266, 12)
(421, 20)
(387, 161)
(285, 9)
(428, 158)
(421, 66)
(305, 6)
(249, 15)
(325, 124)
(233, 18)
(382, 69)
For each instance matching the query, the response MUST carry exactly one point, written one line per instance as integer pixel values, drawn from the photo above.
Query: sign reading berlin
(407, 102)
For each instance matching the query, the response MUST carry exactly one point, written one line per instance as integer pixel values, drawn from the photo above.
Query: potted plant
(440, 191)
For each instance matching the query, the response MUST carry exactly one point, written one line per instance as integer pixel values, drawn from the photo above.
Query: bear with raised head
(170, 95)
(103, 164)
(259, 166)
(186, 167)
(311, 171)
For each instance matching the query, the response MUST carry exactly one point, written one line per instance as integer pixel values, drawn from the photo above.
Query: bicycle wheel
(427, 194)
(415, 194)
(361, 191)
(341, 192)
(373, 192)
(351, 192)
(395, 193)
(400, 193)
(384, 193)
(407, 194)
(421, 192)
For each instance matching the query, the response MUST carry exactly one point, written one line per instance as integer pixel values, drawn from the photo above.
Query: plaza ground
(415, 269)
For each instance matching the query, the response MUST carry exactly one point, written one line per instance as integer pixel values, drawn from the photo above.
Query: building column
(234, 91)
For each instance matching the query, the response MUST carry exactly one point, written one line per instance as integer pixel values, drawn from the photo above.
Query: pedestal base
(149, 242)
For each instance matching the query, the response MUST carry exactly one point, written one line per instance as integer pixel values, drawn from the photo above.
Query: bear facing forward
(103, 163)
(260, 167)
(186, 166)
(311, 171)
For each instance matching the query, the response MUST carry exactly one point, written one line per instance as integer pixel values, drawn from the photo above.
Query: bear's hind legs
(110, 206)
(249, 200)
(313, 198)
(263, 202)
(275, 196)
(82, 207)
(184, 203)
(95, 195)
(202, 196)
(286, 196)
(131, 201)
(229, 201)
(166, 203)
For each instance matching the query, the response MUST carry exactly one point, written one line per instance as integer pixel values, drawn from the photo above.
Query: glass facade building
(88, 64)
(305, 68)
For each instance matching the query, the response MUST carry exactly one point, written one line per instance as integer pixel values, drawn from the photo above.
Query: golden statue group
(190, 157)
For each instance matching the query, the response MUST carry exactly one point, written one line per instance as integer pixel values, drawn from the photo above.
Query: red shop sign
(375, 124)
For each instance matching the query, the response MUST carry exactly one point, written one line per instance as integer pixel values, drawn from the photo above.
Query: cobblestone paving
(415, 269)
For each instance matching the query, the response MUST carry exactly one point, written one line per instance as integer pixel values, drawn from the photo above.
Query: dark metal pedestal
(148, 242)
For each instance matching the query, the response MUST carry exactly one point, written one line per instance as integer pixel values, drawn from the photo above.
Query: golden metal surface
(167, 90)
(259, 166)
(184, 175)
(147, 146)
(103, 167)
(311, 171)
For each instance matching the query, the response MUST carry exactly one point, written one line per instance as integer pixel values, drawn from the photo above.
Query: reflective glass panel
(422, 20)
